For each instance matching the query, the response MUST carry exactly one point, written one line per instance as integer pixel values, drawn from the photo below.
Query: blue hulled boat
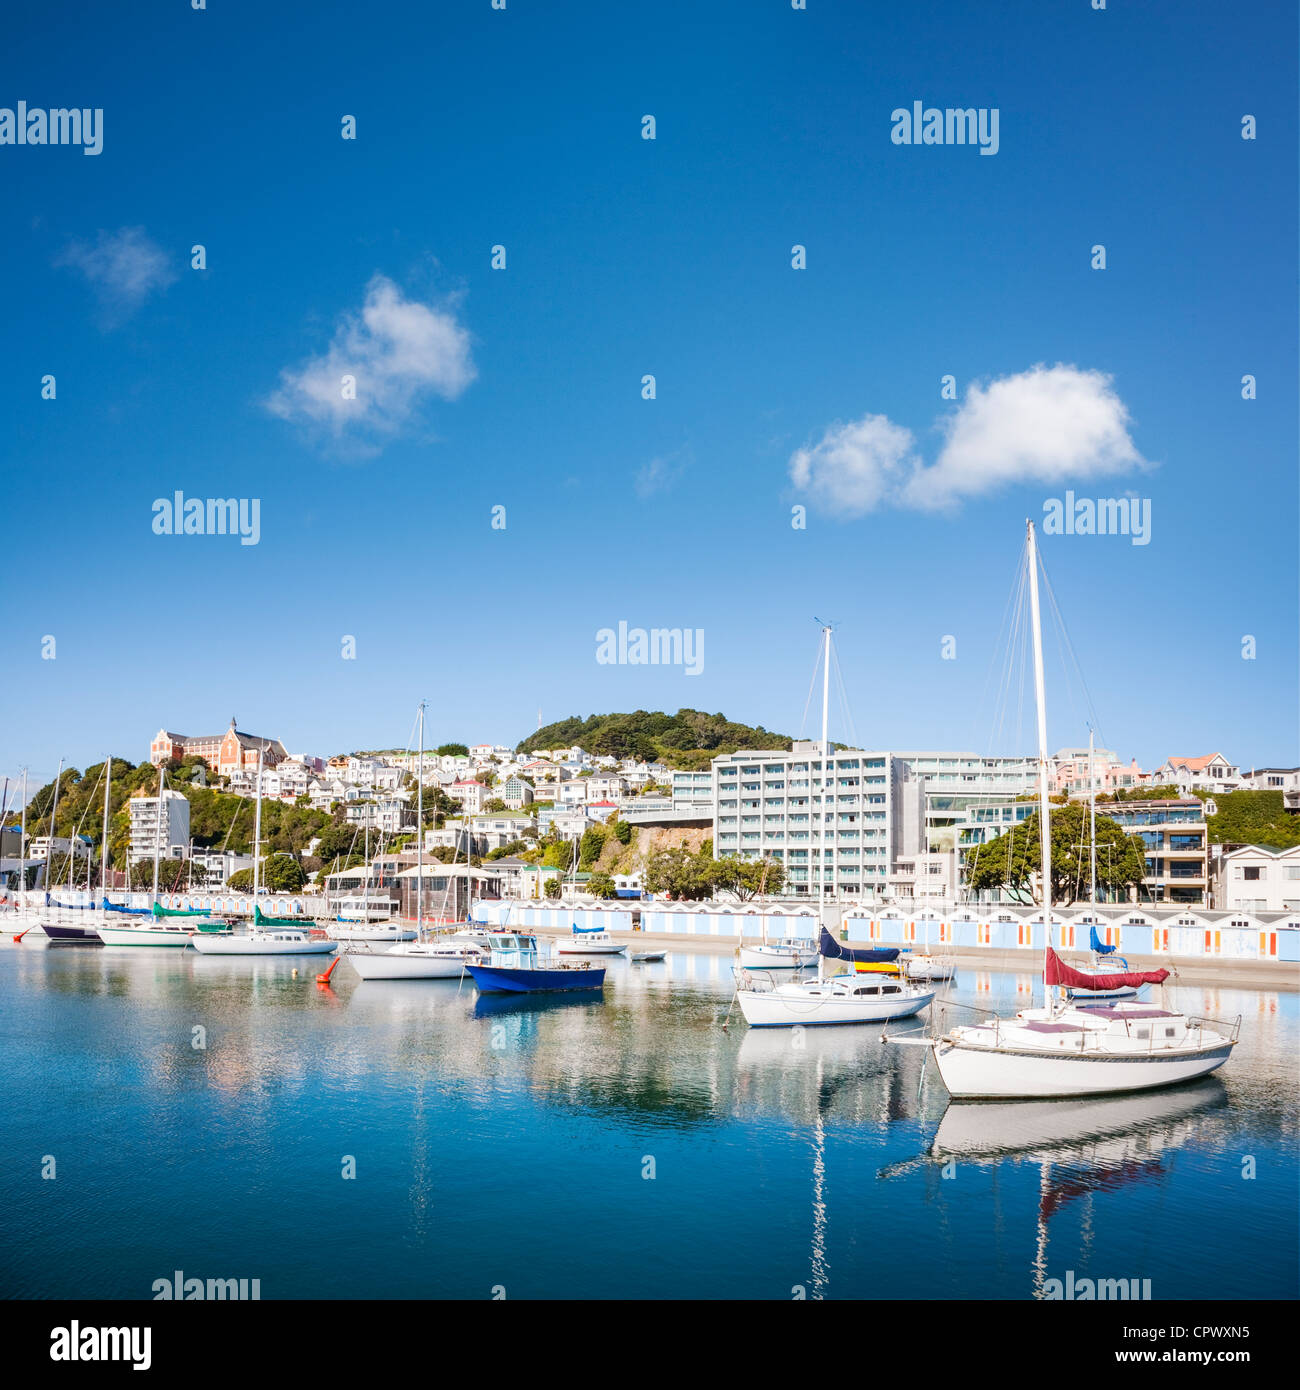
(517, 967)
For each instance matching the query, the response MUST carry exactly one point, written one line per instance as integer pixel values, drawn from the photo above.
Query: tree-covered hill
(686, 739)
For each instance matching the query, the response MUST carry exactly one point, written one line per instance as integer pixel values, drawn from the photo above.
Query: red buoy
(325, 978)
(20, 935)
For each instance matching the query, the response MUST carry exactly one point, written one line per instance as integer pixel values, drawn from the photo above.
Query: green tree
(591, 845)
(622, 832)
(552, 889)
(1011, 860)
(680, 874)
(495, 804)
(559, 855)
(747, 878)
(452, 750)
(601, 885)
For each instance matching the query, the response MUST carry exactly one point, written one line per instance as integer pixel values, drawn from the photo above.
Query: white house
(1259, 878)
(471, 795)
(1211, 772)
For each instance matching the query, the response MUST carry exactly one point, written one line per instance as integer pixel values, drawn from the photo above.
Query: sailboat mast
(257, 832)
(419, 831)
(54, 815)
(1040, 699)
(1092, 824)
(157, 834)
(22, 841)
(103, 847)
(826, 705)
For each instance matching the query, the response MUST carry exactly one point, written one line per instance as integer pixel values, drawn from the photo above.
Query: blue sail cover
(67, 907)
(832, 950)
(1096, 943)
(134, 911)
(579, 930)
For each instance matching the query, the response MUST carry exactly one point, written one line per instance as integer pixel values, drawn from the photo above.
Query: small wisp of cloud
(123, 268)
(379, 369)
(1046, 425)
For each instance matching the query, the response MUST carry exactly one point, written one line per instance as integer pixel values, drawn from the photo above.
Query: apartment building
(171, 833)
(692, 792)
(1272, 779)
(1177, 847)
(815, 809)
(1071, 768)
(1258, 878)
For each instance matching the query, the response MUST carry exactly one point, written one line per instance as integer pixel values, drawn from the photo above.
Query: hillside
(687, 739)
(1252, 817)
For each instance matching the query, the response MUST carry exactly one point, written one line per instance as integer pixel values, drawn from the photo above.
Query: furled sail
(261, 920)
(160, 911)
(133, 911)
(1058, 973)
(1097, 944)
(832, 950)
(580, 930)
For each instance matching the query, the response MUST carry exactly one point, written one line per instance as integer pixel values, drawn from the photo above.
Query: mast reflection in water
(655, 1154)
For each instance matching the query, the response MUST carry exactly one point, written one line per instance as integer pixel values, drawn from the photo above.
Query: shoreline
(1184, 970)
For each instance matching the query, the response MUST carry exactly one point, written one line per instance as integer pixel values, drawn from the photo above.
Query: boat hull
(775, 1009)
(766, 958)
(984, 1073)
(385, 965)
(359, 931)
(926, 968)
(243, 946)
(145, 936)
(87, 936)
(502, 979)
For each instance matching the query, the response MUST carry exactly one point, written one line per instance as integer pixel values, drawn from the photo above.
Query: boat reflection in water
(1082, 1149)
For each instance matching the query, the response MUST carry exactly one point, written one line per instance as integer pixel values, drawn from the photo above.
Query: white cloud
(661, 474)
(855, 467)
(1046, 425)
(399, 351)
(124, 267)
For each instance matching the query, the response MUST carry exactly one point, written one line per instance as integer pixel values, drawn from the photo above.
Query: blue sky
(522, 387)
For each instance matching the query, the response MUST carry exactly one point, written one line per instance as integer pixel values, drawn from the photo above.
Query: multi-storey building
(172, 836)
(815, 809)
(1071, 767)
(1258, 878)
(1177, 850)
(223, 753)
(693, 792)
(1272, 779)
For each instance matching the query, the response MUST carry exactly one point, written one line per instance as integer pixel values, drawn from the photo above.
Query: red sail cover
(1058, 973)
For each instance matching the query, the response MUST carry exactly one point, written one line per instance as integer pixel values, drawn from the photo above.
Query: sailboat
(862, 995)
(79, 935)
(1066, 1049)
(270, 936)
(928, 966)
(421, 959)
(167, 927)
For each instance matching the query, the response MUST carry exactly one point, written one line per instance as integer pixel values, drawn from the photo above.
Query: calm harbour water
(505, 1145)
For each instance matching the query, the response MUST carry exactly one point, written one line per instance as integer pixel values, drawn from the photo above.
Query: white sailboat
(266, 938)
(853, 997)
(420, 959)
(1066, 1049)
(157, 930)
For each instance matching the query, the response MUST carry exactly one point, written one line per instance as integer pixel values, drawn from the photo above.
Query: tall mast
(22, 840)
(157, 834)
(1092, 823)
(1040, 699)
(103, 844)
(54, 815)
(257, 832)
(826, 705)
(419, 832)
